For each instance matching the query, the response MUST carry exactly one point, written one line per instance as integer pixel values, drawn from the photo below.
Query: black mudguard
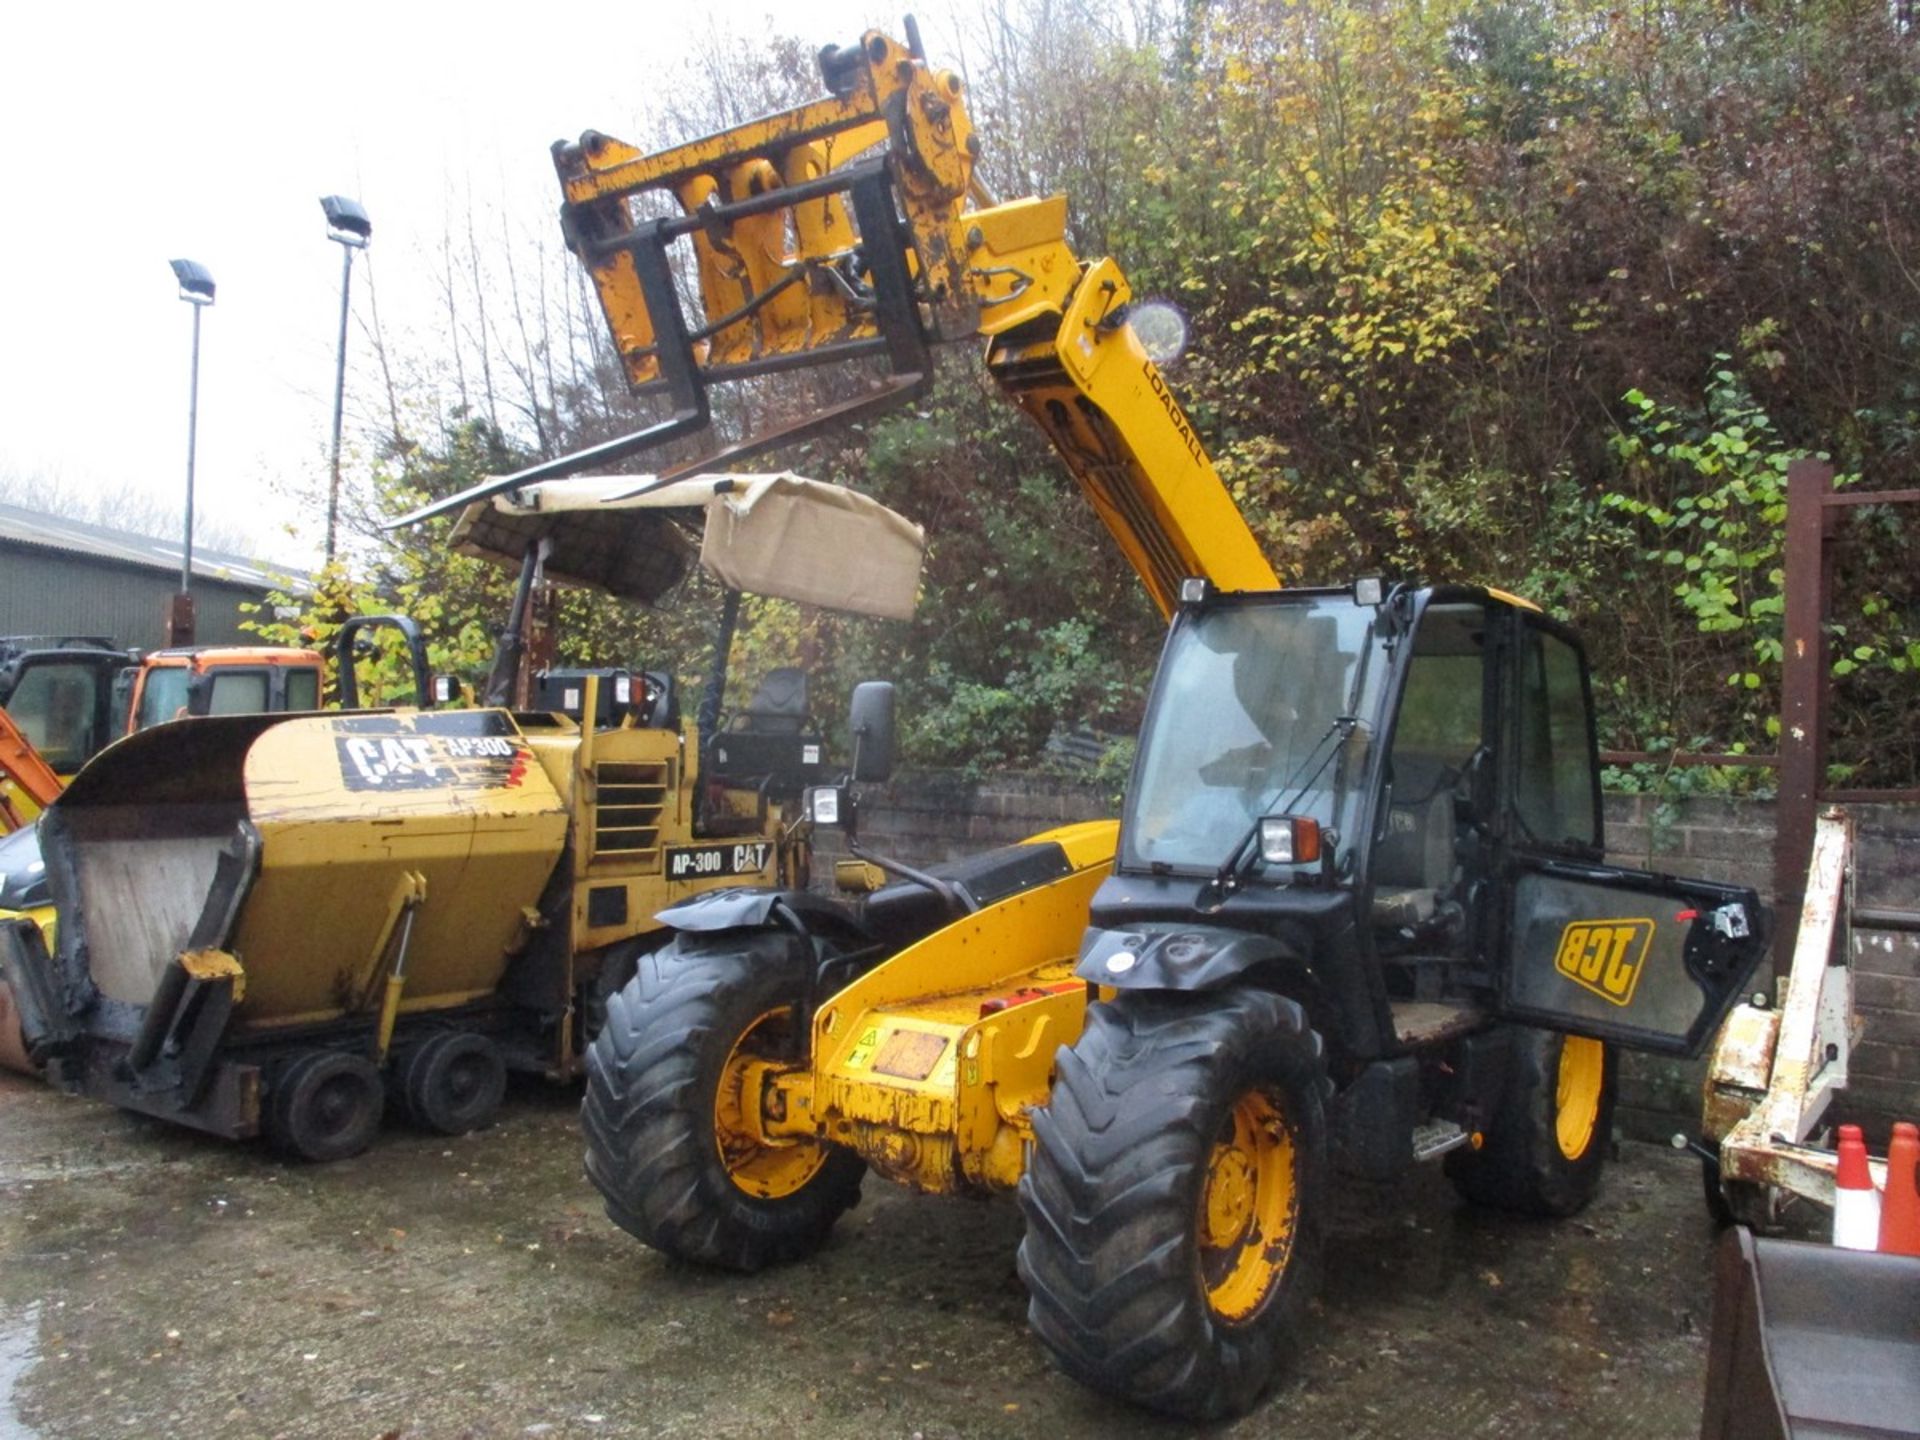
(743, 908)
(1178, 957)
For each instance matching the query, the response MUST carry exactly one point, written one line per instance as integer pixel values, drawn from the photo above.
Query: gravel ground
(157, 1283)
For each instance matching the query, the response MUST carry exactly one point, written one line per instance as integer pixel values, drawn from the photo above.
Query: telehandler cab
(1355, 907)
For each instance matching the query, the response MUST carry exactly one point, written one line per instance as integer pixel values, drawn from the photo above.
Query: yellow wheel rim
(1248, 1208)
(765, 1168)
(1583, 1068)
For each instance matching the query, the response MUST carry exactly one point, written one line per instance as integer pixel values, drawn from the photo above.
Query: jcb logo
(1605, 956)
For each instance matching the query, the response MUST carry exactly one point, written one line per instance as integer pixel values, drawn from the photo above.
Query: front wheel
(1548, 1142)
(671, 1119)
(1175, 1198)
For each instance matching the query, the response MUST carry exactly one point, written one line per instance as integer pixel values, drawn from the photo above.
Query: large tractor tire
(669, 1143)
(1176, 1198)
(1548, 1143)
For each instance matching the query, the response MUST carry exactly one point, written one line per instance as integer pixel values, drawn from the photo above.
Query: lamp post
(348, 226)
(196, 288)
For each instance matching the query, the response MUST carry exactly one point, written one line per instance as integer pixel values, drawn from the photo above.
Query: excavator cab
(59, 691)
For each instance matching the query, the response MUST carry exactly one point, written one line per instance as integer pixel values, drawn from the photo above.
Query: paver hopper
(233, 912)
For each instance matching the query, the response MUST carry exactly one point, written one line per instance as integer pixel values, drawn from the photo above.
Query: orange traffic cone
(1900, 1210)
(1856, 1204)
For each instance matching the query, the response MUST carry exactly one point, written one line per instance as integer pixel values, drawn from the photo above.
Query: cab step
(1435, 1138)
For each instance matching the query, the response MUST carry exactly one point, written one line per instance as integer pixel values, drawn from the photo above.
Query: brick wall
(933, 816)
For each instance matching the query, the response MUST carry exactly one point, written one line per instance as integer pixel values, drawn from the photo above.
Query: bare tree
(118, 507)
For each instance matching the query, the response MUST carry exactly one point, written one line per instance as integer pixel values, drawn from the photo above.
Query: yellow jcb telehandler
(1355, 908)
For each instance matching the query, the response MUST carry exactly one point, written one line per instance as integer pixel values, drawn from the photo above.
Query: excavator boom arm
(27, 783)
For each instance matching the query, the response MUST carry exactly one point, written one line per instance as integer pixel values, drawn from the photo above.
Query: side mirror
(870, 719)
(447, 690)
(199, 692)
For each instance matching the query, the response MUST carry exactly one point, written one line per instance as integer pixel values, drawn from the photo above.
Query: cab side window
(164, 695)
(303, 689)
(1554, 786)
(1436, 736)
(238, 692)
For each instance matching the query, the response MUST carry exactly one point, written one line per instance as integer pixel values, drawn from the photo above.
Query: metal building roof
(53, 532)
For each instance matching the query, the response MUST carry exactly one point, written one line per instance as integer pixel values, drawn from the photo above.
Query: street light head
(346, 221)
(196, 285)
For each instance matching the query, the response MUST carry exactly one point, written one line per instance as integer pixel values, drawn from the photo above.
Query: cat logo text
(1605, 956)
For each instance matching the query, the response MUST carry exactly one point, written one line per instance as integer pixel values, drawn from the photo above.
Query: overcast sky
(134, 134)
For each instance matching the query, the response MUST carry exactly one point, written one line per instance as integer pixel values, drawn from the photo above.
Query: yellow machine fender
(928, 1064)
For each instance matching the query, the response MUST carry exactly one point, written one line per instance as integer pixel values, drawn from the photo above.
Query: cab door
(1648, 961)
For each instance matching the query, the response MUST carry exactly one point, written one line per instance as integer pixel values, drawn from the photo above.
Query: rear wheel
(452, 1082)
(1175, 1198)
(672, 1113)
(1548, 1143)
(325, 1105)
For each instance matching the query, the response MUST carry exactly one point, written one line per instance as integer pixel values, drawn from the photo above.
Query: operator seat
(770, 744)
(1414, 862)
(779, 704)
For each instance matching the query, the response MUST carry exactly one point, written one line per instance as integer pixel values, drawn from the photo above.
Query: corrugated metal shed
(67, 577)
